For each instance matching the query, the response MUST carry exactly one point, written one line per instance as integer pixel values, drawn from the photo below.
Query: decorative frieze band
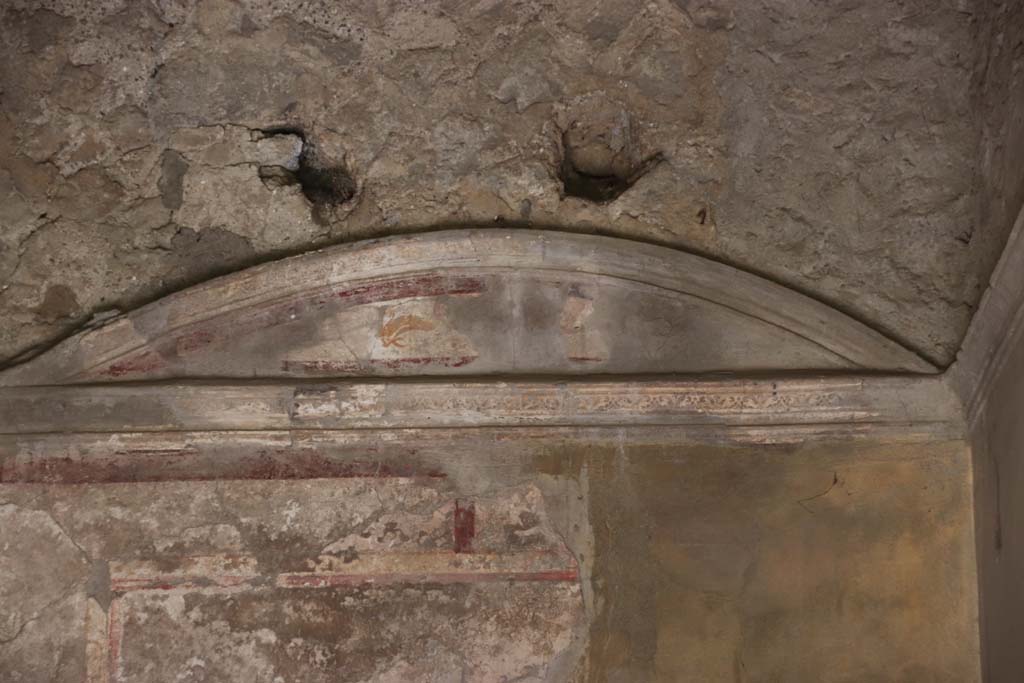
(425, 404)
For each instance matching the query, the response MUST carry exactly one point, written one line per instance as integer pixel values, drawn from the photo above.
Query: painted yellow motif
(392, 331)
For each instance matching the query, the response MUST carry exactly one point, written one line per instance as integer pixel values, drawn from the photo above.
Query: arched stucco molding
(473, 302)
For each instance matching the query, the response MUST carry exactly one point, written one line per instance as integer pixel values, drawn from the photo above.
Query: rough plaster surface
(823, 563)
(861, 150)
(189, 582)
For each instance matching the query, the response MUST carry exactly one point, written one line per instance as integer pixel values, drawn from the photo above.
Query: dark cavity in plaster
(173, 168)
(598, 169)
(324, 183)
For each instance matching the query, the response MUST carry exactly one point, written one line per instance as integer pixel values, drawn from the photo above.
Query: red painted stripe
(338, 367)
(188, 465)
(140, 363)
(464, 527)
(115, 635)
(239, 323)
(166, 583)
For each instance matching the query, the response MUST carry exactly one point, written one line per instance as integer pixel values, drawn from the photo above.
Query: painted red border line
(336, 367)
(115, 634)
(464, 526)
(189, 582)
(166, 466)
(140, 363)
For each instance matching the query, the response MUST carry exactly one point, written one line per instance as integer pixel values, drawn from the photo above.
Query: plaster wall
(991, 365)
(998, 443)
(826, 562)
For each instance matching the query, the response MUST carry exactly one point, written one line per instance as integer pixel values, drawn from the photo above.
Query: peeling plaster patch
(39, 565)
(422, 30)
(173, 168)
(526, 88)
(58, 302)
(713, 15)
(582, 342)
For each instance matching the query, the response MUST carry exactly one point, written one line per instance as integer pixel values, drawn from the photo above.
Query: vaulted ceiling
(865, 152)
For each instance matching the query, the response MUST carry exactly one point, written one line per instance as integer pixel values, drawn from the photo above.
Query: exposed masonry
(601, 159)
(324, 183)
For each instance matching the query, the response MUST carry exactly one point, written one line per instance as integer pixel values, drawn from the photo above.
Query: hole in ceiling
(601, 160)
(324, 183)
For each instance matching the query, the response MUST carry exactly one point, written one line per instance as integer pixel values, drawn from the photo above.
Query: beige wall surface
(998, 443)
(822, 562)
(989, 376)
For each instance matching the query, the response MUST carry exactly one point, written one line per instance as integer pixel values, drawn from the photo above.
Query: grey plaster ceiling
(865, 152)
